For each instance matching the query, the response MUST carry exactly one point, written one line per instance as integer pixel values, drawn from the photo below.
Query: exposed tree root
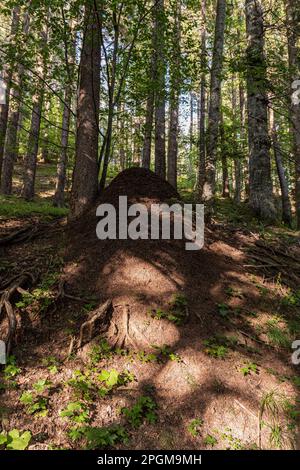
(98, 323)
(6, 306)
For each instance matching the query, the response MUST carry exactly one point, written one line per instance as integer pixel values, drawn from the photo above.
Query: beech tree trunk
(10, 153)
(214, 108)
(160, 111)
(293, 34)
(174, 100)
(85, 175)
(260, 183)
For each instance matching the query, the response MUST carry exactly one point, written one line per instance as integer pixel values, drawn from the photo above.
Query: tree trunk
(286, 204)
(160, 112)
(261, 196)
(174, 100)
(32, 148)
(146, 159)
(85, 175)
(59, 196)
(293, 33)
(10, 153)
(202, 147)
(225, 178)
(214, 108)
(7, 76)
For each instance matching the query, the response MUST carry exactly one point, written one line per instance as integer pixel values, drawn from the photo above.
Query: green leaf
(17, 441)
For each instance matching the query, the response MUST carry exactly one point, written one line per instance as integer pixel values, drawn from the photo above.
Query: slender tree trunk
(293, 33)
(261, 196)
(174, 100)
(286, 204)
(214, 108)
(225, 177)
(32, 148)
(10, 153)
(85, 175)
(7, 76)
(245, 172)
(33, 140)
(111, 106)
(191, 121)
(160, 112)
(59, 196)
(146, 159)
(237, 158)
(202, 147)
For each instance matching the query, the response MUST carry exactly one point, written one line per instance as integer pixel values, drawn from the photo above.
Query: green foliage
(194, 427)
(210, 440)
(11, 370)
(277, 335)
(34, 405)
(100, 351)
(77, 412)
(41, 385)
(96, 438)
(82, 385)
(215, 349)
(52, 364)
(248, 368)
(15, 440)
(292, 299)
(165, 352)
(12, 206)
(144, 409)
(176, 312)
(225, 311)
(112, 378)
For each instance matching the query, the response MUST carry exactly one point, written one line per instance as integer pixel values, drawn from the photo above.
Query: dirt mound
(139, 183)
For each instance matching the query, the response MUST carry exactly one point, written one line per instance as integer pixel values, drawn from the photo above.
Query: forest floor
(197, 353)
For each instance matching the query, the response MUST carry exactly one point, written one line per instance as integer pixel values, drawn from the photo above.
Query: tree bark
(10, 153)
(225, 178)
(160, 112)
(286, 204)
(85, 175)
(146, 158)
(59, 196)
(293, 34)
(214, 108)
(174, 100)
(7, 77)
(202, 111)
(260, 183)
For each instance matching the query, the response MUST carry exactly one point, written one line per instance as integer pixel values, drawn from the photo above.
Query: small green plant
(291, 299)
(100, 351)
(11, 370)
(41, 385)
(234, 293)
(52, 364)
(277, 334)
(210, 440)
(144, 409)
(81, 385)
(248, 368)
(145, 358)
(112, 378)
(15, 440)
(234, 443)
(177, 311)
(165, 352)
(77, 412)
(34, 405)
(225, 311)
(99, 437)
(194, 427)
(214, 349)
